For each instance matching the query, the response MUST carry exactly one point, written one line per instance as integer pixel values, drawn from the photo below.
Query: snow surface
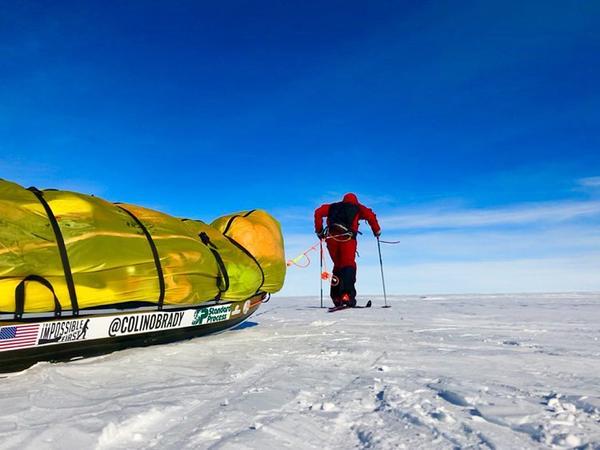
(494, 371)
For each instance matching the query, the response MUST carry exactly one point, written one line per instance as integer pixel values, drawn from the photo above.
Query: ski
(337, 308)
(341, 307)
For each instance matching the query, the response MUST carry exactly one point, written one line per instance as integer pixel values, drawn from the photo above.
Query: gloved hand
(377, 233)
(320, 234)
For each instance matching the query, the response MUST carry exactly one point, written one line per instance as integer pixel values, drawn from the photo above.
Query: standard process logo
(212, 314)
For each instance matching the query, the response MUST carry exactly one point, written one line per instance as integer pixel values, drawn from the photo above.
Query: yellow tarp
(111, 259)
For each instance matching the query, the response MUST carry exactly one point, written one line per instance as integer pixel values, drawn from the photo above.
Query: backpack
(341, 217)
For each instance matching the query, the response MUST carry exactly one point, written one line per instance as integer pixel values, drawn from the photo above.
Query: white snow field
(493, 371)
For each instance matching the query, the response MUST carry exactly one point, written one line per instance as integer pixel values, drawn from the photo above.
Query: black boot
(347, 277)
(336, 292)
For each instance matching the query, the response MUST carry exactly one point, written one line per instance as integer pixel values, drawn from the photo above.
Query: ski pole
(321, 271)
(382, 278)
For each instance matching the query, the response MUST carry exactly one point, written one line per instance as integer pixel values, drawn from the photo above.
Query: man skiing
(340, 235)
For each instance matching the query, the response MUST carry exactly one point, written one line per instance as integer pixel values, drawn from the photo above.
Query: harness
(340, 220)
(341, 233)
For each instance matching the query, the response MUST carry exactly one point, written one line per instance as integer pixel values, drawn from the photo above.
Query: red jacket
(364, 213)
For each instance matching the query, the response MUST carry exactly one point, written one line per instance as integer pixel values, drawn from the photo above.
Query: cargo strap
(223, 278)
(20, 296)
(62, 249)
(230, 222)
(242, 248)
(245, 250)
(155, 255)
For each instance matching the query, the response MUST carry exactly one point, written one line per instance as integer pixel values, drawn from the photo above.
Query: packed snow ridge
(504, 371)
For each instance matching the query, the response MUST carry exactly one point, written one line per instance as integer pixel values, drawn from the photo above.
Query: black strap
(20, 296)
(223, 278)
(155, 255)
(62, 249)
(247, 252)
(241, 247)
(230, 221)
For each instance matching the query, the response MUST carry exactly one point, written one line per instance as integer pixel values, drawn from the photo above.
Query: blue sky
(472, 128)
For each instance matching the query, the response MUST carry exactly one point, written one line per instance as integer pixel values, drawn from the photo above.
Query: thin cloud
(589, 184)
(534, 213)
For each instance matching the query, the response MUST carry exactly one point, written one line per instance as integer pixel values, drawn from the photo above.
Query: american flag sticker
(18, 336)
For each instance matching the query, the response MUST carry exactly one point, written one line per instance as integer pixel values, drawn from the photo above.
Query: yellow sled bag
(64, 251)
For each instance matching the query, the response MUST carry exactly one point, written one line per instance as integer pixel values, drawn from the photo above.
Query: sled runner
(25, 343)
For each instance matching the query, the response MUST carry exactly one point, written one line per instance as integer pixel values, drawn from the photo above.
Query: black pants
(346, 280)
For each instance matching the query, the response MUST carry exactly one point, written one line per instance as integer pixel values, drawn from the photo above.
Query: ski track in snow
(489, 372)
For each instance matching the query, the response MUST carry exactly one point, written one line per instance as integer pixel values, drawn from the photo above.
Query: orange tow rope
(303, 259)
